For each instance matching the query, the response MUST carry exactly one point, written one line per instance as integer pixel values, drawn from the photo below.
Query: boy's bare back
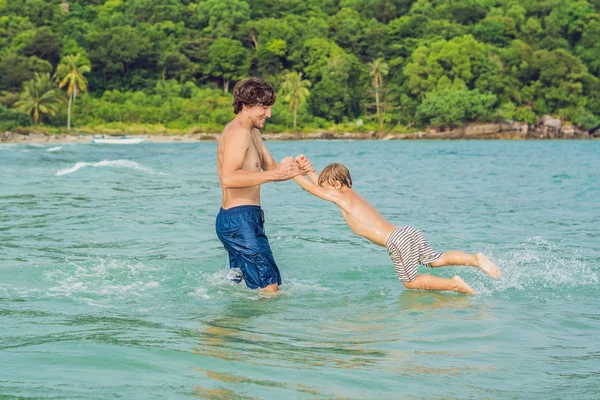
(363, 218)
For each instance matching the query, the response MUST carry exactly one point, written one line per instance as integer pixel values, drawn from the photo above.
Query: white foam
(56, 148)
(221, 277)
(102, 282)
(538, 265)
(104, 163)
(200, 293)
(297, 285)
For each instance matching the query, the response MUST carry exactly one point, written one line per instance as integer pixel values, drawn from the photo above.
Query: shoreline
(490, 131)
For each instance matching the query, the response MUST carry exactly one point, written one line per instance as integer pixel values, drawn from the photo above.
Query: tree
(454, 107)
(228, 60)
(569, 20)
(44, 44)
(589, 47)
(16, 69)
(316, 54)
(115, 50)
(70, 73)
(496, 29)
(10, 119)
(347, 28)
(378, 69)
(222, 17)
(295, 90)
(460, 61)
(558, 80)
(39, 97)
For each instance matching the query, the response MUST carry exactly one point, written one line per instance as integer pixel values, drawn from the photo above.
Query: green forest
(347, 65)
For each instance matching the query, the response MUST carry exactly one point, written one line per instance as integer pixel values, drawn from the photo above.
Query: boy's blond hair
(335, 173)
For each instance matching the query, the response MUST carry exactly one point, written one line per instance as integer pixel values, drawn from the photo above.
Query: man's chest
(254, 157)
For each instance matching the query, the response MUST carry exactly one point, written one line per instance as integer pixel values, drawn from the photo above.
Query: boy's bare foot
(461, 286)
(488, 266)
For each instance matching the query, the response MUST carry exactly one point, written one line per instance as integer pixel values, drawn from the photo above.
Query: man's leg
(271, 288)
(459, 258)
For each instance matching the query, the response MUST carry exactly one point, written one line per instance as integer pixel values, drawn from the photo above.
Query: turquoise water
(113, 282)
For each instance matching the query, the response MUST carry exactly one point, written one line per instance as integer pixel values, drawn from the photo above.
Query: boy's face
(336, 185)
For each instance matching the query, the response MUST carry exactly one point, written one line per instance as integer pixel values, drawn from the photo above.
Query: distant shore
(475, 131)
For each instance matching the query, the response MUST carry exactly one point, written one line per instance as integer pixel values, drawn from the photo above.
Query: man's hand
(287, 169)
(304, 164)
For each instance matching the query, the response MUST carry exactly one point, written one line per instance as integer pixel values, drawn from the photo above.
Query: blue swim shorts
(241, 230)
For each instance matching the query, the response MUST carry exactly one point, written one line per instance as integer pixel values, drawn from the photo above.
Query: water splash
(539, 265)
(102, 282)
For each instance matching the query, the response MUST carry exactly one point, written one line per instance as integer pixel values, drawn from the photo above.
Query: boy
(406, 246)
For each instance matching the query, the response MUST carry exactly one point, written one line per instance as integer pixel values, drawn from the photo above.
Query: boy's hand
(287, 169)
(304, 164)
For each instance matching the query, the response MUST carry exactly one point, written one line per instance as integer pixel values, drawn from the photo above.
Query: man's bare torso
(253, 162)
(364, 219)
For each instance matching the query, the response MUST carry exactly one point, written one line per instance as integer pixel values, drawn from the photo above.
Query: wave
(56, 148)
(104, 163)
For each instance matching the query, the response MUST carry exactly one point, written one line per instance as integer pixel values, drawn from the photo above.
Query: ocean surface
(113, 283)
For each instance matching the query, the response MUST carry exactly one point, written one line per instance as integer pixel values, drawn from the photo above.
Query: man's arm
(234, 152)
(268, 162)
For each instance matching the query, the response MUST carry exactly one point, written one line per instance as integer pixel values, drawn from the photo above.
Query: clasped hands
(291, 167)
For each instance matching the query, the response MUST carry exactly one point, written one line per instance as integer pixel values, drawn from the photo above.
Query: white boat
(118, 140)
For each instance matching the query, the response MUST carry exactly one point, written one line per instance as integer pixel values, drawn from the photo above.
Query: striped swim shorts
(408, 248)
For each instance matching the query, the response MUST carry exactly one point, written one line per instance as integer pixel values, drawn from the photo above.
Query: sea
(113, 283)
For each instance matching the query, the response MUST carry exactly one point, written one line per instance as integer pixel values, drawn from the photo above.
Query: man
(243, 164)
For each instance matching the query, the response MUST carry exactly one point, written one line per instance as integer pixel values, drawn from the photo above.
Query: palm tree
(70, 73)
(39, 97)
(296, 91)
(379, 69)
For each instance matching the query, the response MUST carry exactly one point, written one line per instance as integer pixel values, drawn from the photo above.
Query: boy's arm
(313, 176)
(330, 195)
(307, 168)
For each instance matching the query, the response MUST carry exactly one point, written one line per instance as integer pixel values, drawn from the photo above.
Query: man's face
(258, 115)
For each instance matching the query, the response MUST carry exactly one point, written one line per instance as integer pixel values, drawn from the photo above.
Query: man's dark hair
(253, 92)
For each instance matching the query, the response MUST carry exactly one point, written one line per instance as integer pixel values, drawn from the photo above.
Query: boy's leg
(455, 258)
(459, 258)
(431, 282)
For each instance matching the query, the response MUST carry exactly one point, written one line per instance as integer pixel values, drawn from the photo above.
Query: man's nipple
(257, 164)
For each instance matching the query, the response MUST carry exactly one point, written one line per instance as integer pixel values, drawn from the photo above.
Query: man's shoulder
(234, 130)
